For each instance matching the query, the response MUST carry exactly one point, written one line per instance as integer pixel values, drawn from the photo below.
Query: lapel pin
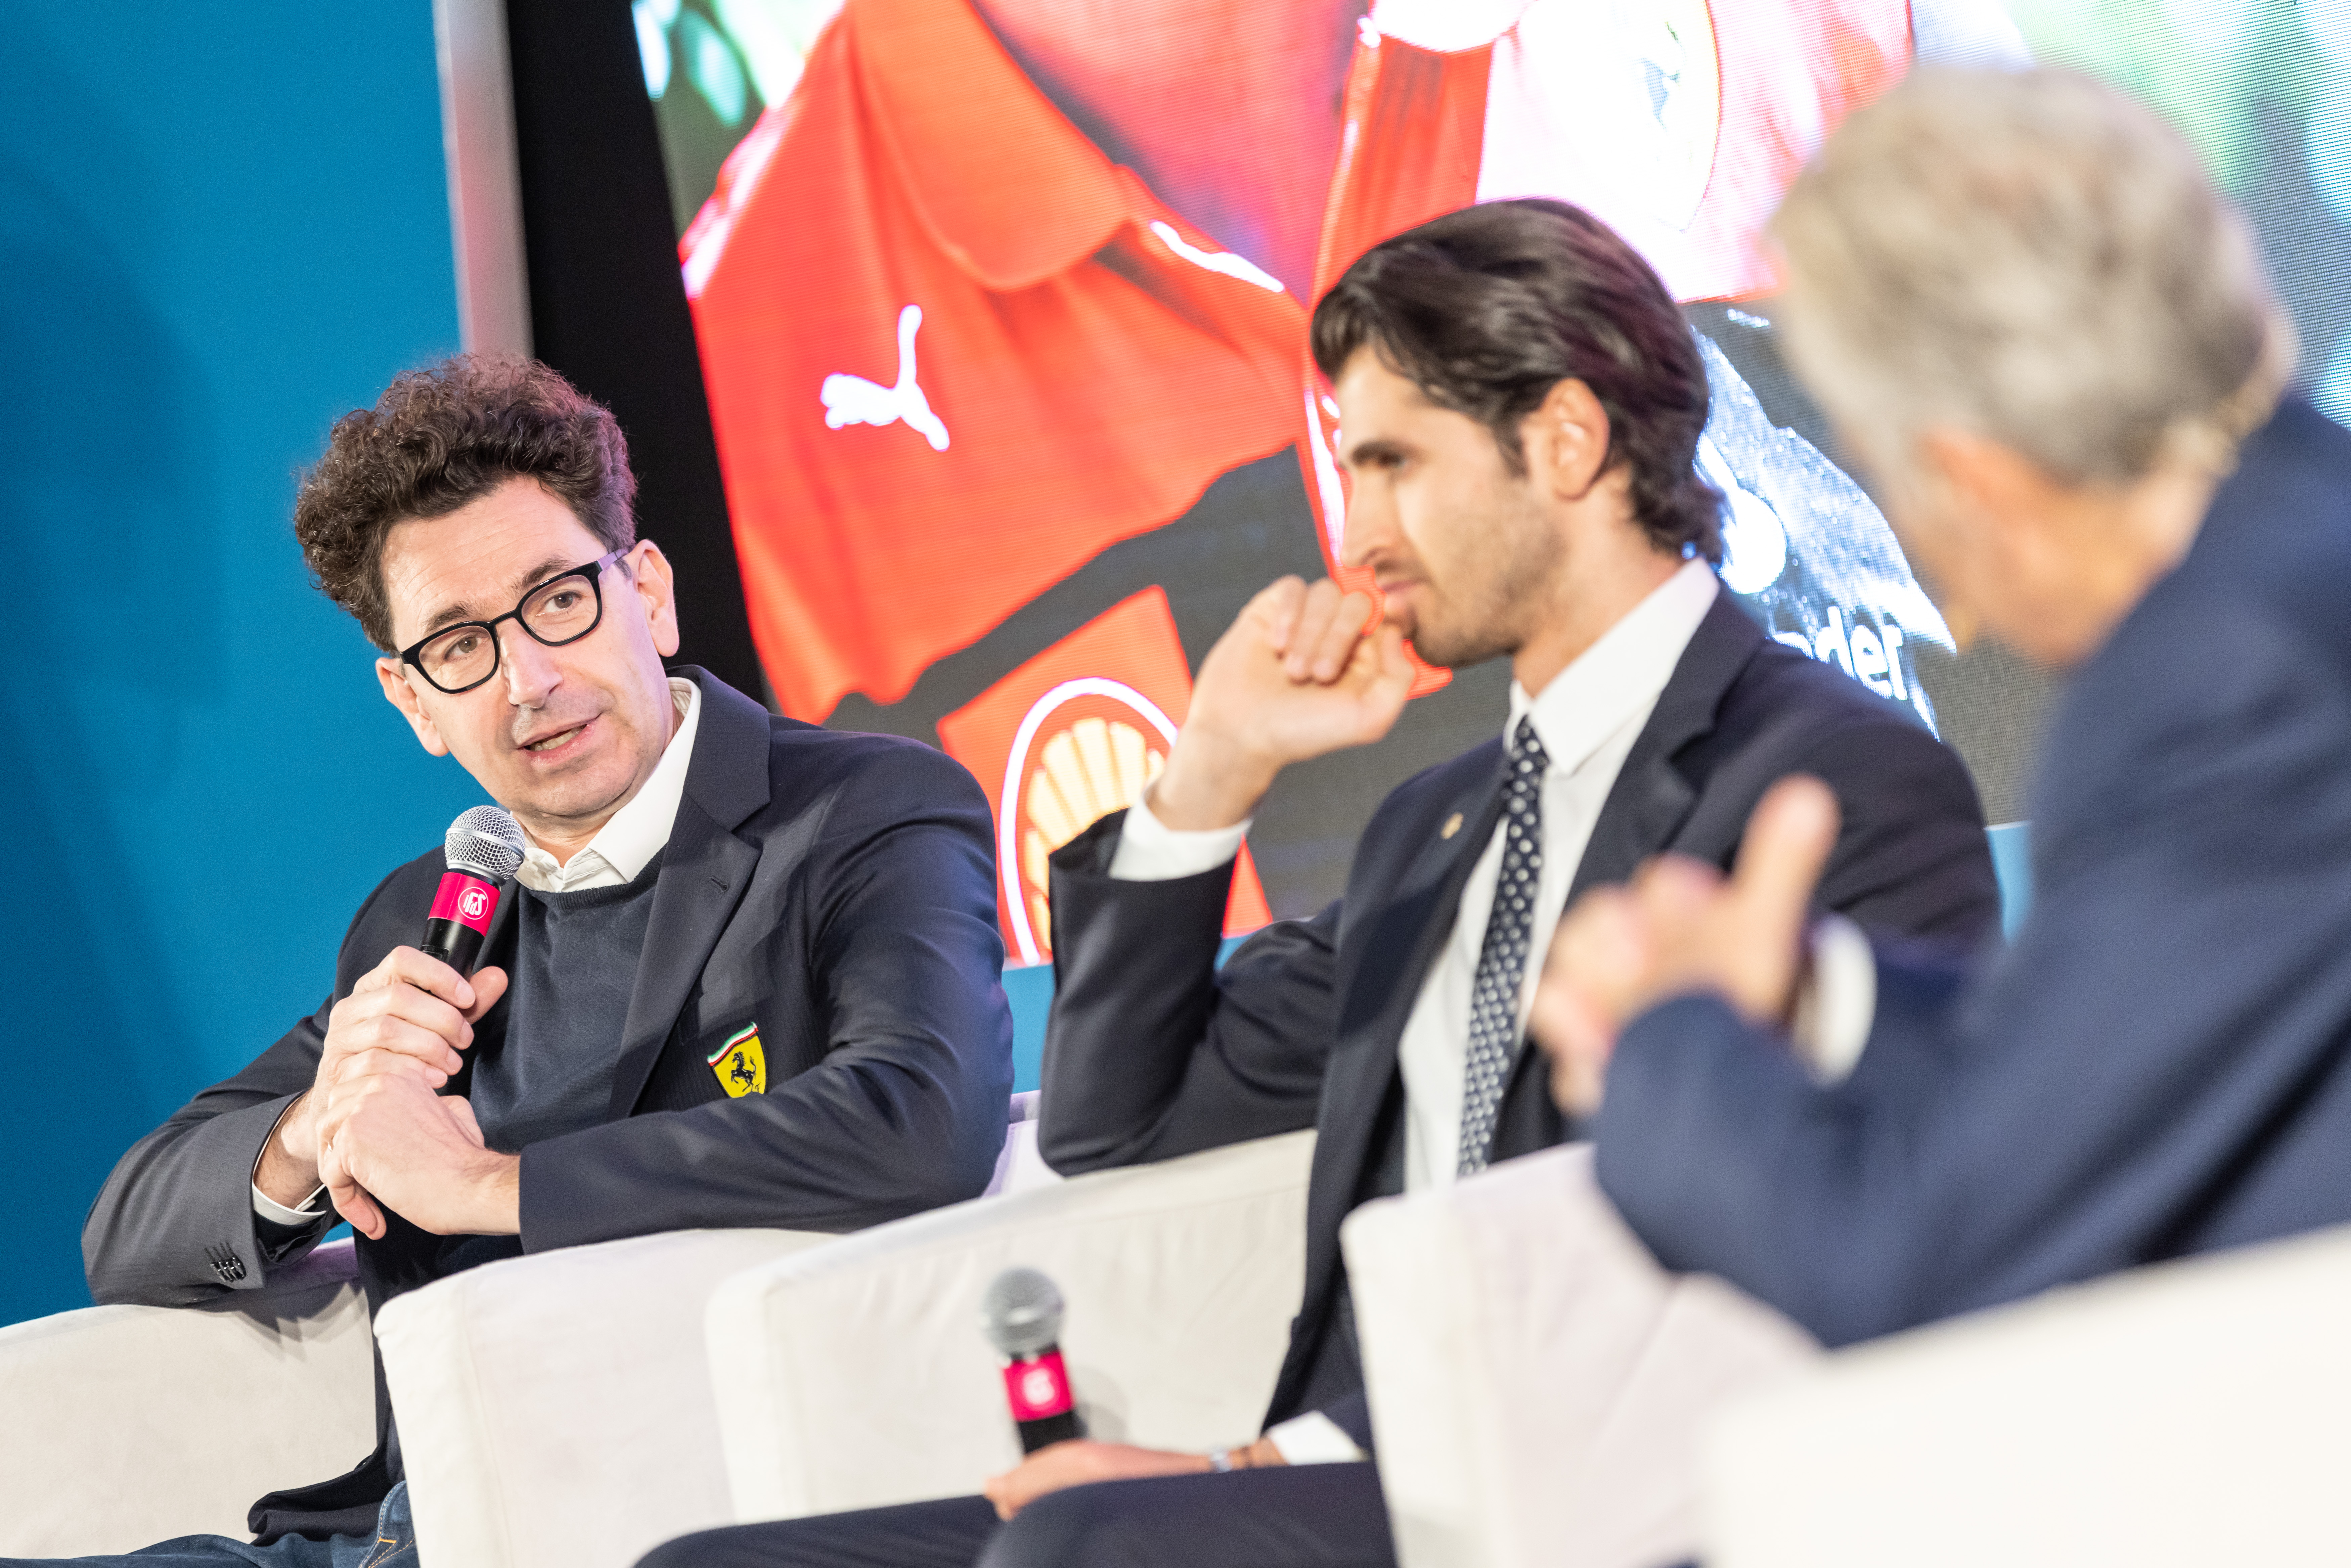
(1452, 826)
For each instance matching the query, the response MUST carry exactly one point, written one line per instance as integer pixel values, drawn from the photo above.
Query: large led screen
(1001, 312)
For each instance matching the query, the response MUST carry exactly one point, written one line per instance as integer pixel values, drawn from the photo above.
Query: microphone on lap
(484, 848)
(1022, 1316)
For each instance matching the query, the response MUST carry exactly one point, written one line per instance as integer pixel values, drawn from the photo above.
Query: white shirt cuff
(1151, 850)
(269, 1209)
(1314, 1438)
(1838, 1002)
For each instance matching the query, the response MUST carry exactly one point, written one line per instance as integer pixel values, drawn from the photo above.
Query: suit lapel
(1652, 795)
(1646, 808)
(1402, 941)
(705, 872)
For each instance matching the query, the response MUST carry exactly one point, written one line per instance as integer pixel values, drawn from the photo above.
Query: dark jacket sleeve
(2173, 1006)
(1152, 1051)
(908, 1107)
(1911, 857)
(175, 1223)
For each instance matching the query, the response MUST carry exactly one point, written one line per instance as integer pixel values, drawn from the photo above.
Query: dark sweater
(575, 965)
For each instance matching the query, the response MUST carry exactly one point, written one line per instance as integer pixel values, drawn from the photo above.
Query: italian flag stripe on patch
(733, 1041)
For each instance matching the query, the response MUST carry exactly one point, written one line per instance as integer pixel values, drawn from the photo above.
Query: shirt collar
(1005, 184)
(1622, 675)
(641, 828)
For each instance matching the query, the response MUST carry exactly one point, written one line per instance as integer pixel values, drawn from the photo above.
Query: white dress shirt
(621, 848)
(1587, 717)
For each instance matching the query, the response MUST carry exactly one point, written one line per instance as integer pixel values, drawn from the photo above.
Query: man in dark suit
(1520, 406)
(2105, 475)
(746, 976)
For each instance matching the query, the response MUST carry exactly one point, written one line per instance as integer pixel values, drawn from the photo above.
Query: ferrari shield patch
(741, 1067)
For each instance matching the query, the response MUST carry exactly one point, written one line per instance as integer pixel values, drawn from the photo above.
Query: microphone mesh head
(484, 842)
(1021, 1312)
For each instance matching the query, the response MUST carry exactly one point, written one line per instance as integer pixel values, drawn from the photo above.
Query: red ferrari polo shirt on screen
(953, 352)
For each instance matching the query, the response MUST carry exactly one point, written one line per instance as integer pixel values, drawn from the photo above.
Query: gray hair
(2034, 257)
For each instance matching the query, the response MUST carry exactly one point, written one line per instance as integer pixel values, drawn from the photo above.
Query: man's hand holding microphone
(374, 1128)
(391, 1045)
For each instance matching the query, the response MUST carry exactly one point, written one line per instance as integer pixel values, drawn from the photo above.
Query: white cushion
(127, 1426)
(1538, 1385)
(858, 1375)
(556, 1409)
(2190, 1414)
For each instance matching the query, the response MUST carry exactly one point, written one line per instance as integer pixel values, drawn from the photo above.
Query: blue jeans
(393, 1545)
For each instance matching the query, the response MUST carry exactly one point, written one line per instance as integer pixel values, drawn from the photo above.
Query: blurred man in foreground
(2026, 307)
(1521, 406)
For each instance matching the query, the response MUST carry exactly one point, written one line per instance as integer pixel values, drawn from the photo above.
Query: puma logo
(853, 400)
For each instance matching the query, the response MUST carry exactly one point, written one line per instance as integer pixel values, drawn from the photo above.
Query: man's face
(1991, 535)
(1942, 553)
(1465, 553)
(560, 737)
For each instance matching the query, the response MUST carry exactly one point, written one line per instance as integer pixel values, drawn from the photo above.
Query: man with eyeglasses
(783, 937)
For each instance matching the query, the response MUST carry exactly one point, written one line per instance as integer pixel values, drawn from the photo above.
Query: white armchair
(857, 1375)
(2193, 1413)
(126, 1425)
(1540, 1387)
(556, 1411)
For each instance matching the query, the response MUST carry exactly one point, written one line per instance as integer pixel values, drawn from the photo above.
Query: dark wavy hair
(444, 435)
(1485, 309)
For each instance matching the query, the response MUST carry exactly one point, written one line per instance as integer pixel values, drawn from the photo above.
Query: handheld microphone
(484, 847)
(1022, 1315)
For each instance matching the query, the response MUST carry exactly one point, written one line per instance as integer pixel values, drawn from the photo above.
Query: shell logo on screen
(1083, 773)
(1074, 734)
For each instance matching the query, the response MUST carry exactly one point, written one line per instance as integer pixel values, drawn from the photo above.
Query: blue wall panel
(2012, 862)
(220, 226)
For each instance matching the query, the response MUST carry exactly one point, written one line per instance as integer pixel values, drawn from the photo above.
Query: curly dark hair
(444, 435)
(1486, 308)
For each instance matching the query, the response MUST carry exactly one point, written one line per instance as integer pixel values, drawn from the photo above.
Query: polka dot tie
(1503, 963)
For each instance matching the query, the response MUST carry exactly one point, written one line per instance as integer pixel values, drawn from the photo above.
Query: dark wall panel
(607, 306)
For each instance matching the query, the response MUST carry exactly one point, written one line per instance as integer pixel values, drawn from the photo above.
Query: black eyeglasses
(562, 610)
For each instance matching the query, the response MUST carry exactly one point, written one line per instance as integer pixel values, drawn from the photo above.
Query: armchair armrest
(1538, 1385)
(556, 1409)
(2190, 1413)
(858, 1375)
(127, 1426)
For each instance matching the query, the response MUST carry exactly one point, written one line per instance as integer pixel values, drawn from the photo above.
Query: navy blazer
(2157, 1066)
(837, 890)
(1150, 1052)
